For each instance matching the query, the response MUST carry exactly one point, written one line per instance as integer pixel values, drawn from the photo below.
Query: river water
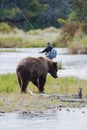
(73, 65)
(71, 119)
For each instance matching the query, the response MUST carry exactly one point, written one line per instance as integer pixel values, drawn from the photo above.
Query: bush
(67, 33)
(11, 41)
(5, 28)
(75, 48)
(69, 30)
(74, 36)
(79, 44)
(84, 28)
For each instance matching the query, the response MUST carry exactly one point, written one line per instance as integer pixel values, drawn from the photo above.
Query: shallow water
(71, 119)
(74, 65)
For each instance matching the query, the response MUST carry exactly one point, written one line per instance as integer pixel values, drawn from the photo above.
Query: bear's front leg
(42, 81)
(36, 82)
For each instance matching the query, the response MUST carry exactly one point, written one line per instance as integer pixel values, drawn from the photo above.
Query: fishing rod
(24, 16)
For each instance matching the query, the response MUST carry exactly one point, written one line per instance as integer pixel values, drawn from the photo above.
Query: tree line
(29, 14)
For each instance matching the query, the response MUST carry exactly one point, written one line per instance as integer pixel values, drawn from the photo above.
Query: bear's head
(53, 69)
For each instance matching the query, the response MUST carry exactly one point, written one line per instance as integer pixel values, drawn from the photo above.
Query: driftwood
(73, 100)
(65, 98)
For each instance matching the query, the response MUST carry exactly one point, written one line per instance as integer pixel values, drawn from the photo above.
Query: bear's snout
(55, 76)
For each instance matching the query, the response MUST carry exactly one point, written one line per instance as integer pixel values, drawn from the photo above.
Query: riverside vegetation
(12, 100)
(13, 37)
(71, 35)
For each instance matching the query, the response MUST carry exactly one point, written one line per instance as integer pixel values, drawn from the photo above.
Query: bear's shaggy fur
(35, 70)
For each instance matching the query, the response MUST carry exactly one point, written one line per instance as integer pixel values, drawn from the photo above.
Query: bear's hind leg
(19, 81)
(24, 86)
(42, 81)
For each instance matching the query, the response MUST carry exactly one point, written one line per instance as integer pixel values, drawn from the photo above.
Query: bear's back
(39, 63)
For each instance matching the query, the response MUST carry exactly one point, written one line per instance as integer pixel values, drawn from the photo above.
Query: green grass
(66, 85)
(9, 83)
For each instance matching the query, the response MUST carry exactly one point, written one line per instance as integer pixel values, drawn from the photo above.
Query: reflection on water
(74, 65)
(73, 119)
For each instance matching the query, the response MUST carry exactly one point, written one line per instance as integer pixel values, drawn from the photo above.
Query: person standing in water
(49, 51)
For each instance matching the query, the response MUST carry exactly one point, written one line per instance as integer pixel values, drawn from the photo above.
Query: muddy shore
(16, 102)
(25, 111)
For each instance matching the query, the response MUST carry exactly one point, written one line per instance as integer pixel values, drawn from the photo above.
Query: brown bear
(35, 70)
